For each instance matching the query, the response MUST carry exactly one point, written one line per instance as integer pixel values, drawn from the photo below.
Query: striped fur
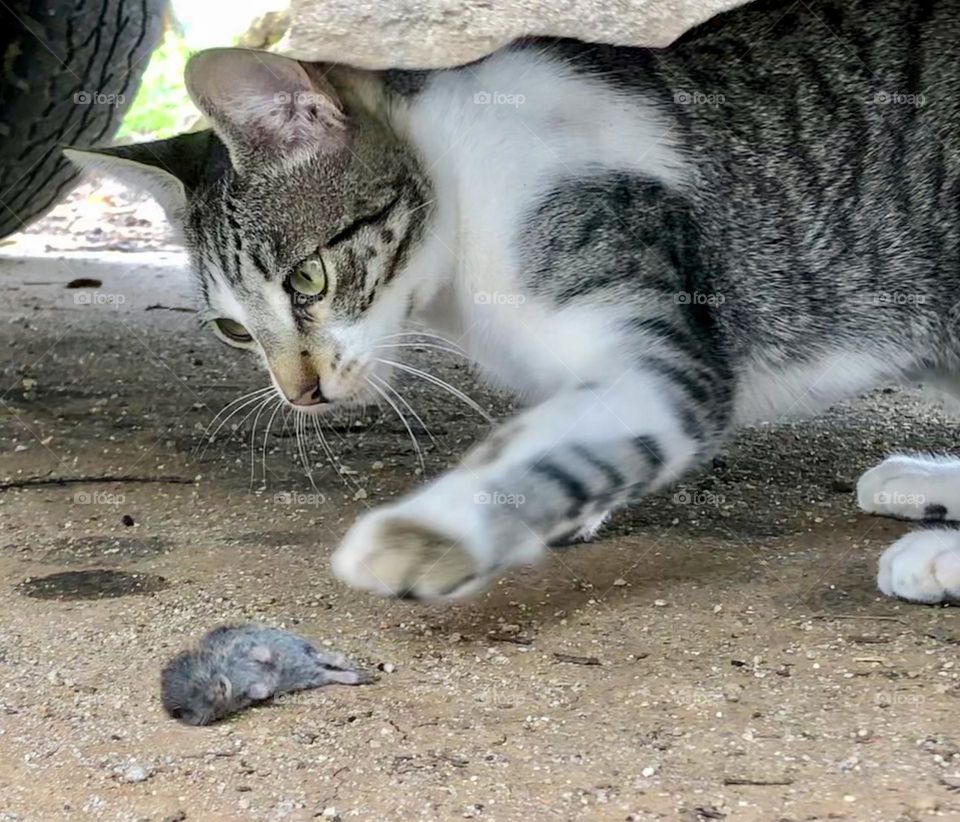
(651, 247)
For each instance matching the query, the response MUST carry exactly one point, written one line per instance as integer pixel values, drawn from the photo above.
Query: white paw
(923, 566)
(391, 555)
(440, 544)
(909, 488)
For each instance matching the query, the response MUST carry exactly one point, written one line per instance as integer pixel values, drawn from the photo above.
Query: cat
(650, 247)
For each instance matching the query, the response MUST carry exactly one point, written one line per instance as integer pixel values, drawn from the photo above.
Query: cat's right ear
(167, 169)
(266, 108)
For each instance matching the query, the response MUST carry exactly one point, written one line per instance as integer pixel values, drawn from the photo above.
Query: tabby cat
(651, 247)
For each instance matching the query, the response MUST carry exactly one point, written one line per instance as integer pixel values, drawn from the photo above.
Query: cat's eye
(232, 332)
(310, 277)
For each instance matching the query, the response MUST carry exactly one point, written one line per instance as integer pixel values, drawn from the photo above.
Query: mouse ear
(225, 686)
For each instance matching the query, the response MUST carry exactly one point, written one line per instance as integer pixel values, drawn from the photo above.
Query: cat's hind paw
(923, 566)
(913, 488)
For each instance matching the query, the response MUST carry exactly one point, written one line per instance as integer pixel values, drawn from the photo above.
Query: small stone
(387, 667)
(660, 603)
(29, 384)
(619, 582)
(127, 520)
(731, 692)
(330, 813)
(650, 770)
(360, 494)
(376, 465)
(137, 773)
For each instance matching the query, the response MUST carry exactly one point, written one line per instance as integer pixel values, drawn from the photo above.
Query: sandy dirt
(721, 652)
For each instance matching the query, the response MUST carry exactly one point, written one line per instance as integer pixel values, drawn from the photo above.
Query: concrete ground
(721, 652)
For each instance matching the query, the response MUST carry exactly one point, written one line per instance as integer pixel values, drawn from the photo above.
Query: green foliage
(162, 107)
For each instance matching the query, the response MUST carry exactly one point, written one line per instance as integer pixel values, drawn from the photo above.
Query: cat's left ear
(169, 169)
(266, 108)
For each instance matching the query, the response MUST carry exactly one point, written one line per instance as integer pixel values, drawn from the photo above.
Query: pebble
(650, 770)
(731, 692)
(360, 494)
(619, 582)
(137, 773)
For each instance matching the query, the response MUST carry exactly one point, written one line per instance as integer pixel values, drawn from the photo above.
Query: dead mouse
(237, 665)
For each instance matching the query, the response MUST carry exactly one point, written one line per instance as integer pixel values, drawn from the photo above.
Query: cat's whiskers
(253, 436)
(425, 345)
(403, 419)
(430, 335)
(266, 434)
(300, 427)
(331, 457)
(386, 386)
(237, 405)
(434, 380)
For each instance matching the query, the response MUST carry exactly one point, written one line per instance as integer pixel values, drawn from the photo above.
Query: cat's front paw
(440, 544)
(393, 555)
(923, 566)
(906, 488)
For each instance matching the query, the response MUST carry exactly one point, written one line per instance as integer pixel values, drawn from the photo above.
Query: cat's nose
(311, 395)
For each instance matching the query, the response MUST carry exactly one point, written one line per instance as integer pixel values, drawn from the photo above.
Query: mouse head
(193, 691)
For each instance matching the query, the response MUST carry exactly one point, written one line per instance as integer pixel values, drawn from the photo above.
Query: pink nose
(311, 395)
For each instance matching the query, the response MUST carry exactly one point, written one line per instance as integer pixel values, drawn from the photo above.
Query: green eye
(233, 331)
(310, 278)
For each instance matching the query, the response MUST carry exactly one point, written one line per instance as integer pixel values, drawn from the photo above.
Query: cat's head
(304, 219)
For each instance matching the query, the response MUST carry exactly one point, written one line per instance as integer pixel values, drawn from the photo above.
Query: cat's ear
(265, 107)
(169, 170)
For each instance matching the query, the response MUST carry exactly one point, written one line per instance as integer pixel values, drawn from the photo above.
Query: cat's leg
(536, 481)
(912, 487)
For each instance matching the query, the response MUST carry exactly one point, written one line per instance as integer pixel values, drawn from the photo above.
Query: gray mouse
(237, 665)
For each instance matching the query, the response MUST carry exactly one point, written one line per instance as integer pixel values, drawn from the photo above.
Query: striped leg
(538, 480)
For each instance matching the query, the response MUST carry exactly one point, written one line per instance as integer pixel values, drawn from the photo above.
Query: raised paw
(914, 488)
(396, 556)
(446, 542)
(923, 566)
